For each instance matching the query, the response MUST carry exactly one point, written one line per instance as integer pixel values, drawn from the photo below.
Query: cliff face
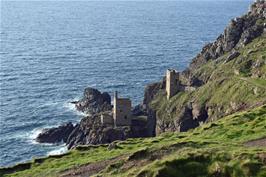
(237, 34)
(227, 76)
(233, 146)
(90, 130)
(94, 101)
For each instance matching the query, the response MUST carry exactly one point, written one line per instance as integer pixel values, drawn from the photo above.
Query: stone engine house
(172, 83)
(122, 111)
(107, 118)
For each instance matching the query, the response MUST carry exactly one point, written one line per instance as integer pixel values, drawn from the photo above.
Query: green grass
(229, 86)
(215, 148)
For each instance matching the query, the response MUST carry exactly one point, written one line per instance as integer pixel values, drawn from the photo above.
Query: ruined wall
(172, 83)
(107, 119)
(122, 112)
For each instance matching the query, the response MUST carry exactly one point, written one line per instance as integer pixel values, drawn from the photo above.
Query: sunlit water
(51, 51)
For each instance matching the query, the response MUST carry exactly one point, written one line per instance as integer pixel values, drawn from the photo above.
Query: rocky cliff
(237, 34)
(93, 101)
(90, 130)
(227, 76)
(233, 146)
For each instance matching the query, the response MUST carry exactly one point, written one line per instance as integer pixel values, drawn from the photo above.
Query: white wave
(71, 107)
(32, 135)
(35, 132)
(49, 104)
(61, 150)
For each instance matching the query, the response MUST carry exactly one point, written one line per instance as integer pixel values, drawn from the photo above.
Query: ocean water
(51, 51)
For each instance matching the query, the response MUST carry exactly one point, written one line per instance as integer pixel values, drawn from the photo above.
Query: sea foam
(62, 149)
(71, 107)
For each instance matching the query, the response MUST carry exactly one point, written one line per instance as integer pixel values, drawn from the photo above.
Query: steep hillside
(231, 86)
(227, 76)
(215, 126)
(221, 148)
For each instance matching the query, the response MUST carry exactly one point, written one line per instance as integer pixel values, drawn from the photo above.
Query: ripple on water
(47, 63)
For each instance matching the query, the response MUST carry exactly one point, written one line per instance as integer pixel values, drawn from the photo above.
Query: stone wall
(107, 118)
(172, 83)
(122, 111)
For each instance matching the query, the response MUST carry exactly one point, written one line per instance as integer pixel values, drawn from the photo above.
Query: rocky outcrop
(240, 32)
(151, 122)
(91, 131)
(197, 108)
(191, 116)
(139, 110)
(233, 54)
(55, 135)
(186, 120)
(151, 90)
(94, 101)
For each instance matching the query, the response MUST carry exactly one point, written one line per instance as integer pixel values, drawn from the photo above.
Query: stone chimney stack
(115, 95)
(172, 83)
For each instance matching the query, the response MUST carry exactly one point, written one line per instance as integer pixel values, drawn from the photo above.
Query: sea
(52, 50)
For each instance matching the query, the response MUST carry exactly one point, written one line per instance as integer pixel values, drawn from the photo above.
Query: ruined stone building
(107, 118)
(172, 83)
(121, 114)
(122, 111)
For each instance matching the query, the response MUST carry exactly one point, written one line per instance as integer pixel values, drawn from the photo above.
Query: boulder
(232, 56)
(94, 101)
(56, 134)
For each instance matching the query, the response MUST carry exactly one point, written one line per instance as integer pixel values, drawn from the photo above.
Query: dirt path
(90, 169)
(136, 159)
(258, 143)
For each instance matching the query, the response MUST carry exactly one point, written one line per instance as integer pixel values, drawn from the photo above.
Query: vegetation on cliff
(220, 148)
(225, 100)
(227, 76)
(230, 86)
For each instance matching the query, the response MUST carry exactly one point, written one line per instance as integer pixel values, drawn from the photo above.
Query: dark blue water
(51, 51)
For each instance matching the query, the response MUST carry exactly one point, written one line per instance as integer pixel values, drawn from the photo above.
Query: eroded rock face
(91, 131)
(55, 135)
(151, 122)
(191, 116)
(139, 110)
(94, 101)
(186, 120)
(233, 54)
(151, 90)
(238, 33)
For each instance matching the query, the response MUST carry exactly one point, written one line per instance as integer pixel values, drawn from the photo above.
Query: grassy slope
(230, 85)
(215, 148)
